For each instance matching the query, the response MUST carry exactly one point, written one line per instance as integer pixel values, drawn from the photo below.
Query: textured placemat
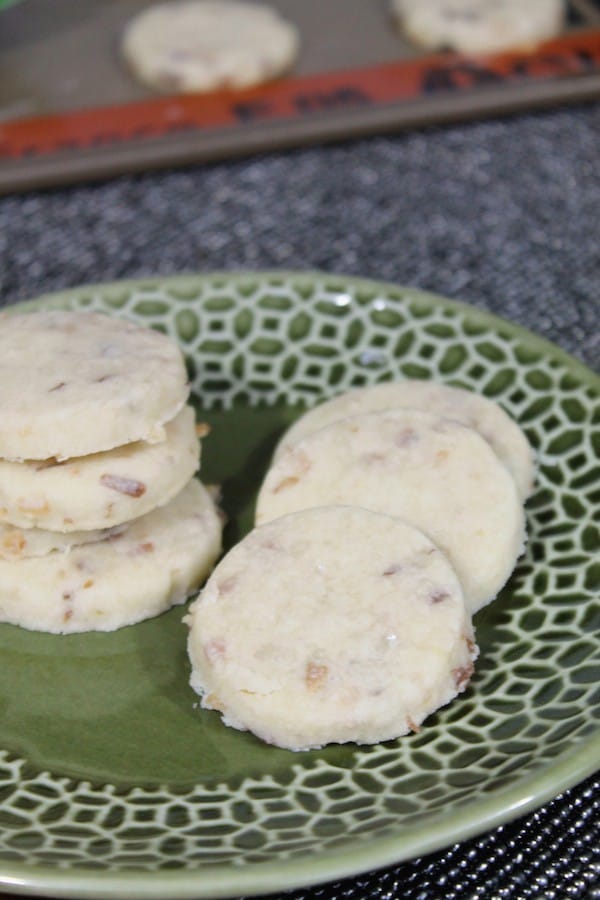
(501, 214)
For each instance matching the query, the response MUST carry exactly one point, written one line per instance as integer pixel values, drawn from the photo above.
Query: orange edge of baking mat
(295, 98)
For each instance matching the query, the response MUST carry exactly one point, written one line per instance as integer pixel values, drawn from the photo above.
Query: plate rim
(475, 817)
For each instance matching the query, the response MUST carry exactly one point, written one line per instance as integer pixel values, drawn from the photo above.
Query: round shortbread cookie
(156, 562)
(478, 412)
(435, 473)
(479, 26)
(103, 489)
(75, 383)
(330, 625)
(202, 45)
(24, 543)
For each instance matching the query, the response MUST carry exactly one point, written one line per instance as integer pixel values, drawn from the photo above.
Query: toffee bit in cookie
(226, 586)
(286, 483)
(412, 725)
(373, 458)
(214, 650)
(462, 676)
(14, 543)
(316, 676)
(142, 549)
(406, 437)
(129, 486)
(301, 463)
(202, 429)
(438, 596)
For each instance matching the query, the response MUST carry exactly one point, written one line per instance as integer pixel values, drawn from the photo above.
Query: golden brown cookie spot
(211, 701)
(202, 429)
(57, 387)
(129, 486)
(14, 543)
(394, 569)
(412, 725)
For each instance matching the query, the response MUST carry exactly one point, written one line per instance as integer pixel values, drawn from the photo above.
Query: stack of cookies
(102, 523)
(389, 516)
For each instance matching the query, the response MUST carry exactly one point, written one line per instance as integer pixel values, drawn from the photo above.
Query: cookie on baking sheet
(75, 383)
(23, 543)
(330, 625)
(103, 489)
(154, 563)
(435, 473)
(478, 412)
(479, 26)
(202, 45)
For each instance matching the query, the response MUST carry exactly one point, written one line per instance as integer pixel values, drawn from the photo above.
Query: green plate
(114, 784)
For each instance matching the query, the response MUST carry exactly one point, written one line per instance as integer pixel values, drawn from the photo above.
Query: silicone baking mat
(70, 110)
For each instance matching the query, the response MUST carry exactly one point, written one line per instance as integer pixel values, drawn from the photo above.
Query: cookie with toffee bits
(152, 564)
(100, 490)
(330, 625)
(484, 415)
(75, 383)
(437, 474)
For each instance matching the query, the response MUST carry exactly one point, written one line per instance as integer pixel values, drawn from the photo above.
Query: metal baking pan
(70, 110)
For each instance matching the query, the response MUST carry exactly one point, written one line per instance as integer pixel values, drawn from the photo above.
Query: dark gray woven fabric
(502, 214)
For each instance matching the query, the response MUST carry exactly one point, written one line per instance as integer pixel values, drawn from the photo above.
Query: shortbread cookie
(435, 473)
(479, 26)
(478, 412)
(156, 562)
(23, 543)
(75, 383)
(202, 45)
(330, 625)
(103, 489)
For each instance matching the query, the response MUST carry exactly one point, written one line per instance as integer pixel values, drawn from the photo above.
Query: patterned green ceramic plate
(112, 784)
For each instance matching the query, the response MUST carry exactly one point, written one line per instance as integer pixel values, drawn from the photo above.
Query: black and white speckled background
(503, 214)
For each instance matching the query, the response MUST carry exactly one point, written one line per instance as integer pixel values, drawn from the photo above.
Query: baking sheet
(70, 110)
